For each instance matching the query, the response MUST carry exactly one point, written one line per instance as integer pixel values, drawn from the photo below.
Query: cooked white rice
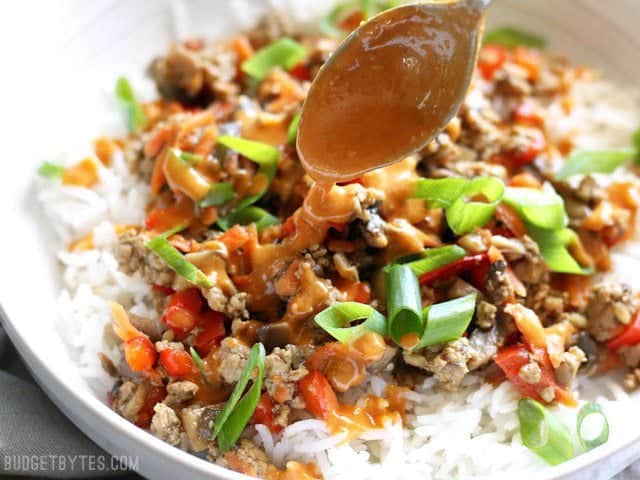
(472, 433)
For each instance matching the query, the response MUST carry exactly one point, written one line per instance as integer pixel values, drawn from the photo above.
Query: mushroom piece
(588, 345)
(277, 334)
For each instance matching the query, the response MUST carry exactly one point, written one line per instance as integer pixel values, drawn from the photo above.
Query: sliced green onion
(50, 170)
(440, 192)
(284, 52)
(554, 247)
(404, 305)
(456, 196)
(173, 231)
(187, 157)
(511, 38)
(590, 442)
(431, 259)
(199, 365)
(543, 433)
(266, 156)
(465, 214)
(219, 194)
(235, 415)
(597, 161)
(292, 133)
(636, 143)
(172, 257)
(447, 321)
(136, 118)
(337, 319)
(540, 208)
(247, 215)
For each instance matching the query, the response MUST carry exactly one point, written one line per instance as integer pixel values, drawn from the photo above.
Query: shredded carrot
(158, 178)
(207, 141)
(209, 215)
(104, 148)
(82, 244)
(511, 219)
(576, 286)
(186, 128)
(83, 174)
(525, 179)
(242, 47)
(528, 323)
(158, 140)
(235, 237)
(122, 326)
(180, 213)
(597, 249)
(529, 60)
(624, 194)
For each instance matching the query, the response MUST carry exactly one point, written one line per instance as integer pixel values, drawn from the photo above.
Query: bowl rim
(159, 459)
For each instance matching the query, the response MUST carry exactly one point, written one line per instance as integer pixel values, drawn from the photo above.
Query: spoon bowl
(392, 85)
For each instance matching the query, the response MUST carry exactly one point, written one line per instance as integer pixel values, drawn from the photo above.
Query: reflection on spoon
(393, 84)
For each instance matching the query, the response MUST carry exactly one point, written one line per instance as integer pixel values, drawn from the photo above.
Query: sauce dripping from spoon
(390, 88)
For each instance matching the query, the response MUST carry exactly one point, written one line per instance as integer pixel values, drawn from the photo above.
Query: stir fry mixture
(481, 254)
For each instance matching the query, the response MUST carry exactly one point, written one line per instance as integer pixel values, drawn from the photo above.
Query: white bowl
(55, 61)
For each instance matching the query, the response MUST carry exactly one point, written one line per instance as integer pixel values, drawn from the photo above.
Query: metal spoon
(391, 86)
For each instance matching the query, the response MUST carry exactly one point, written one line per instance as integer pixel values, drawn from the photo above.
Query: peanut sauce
(353, 420)
(390, 88)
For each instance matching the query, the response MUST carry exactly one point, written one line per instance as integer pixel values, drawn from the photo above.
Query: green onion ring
(447, 321)
(252, 214)
(337, 318)
(543, 433)
(284, 52)
(585, 162)
(430, 259)
(404, 305)
(219, 194)
(510, 37)
(592, 408)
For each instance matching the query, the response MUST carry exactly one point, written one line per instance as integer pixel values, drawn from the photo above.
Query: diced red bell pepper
(301, 72)
(263, 414)
(359, 292)
(511, 359)
(179, 319)
(318, 395)
(492, 57)
(177, 363)
(526, 114)
(630, 336)
(524, 157)
(457, 267)
(183, 311)
(189, 299)
(140, 354)
(211, 334)
(162, 289)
